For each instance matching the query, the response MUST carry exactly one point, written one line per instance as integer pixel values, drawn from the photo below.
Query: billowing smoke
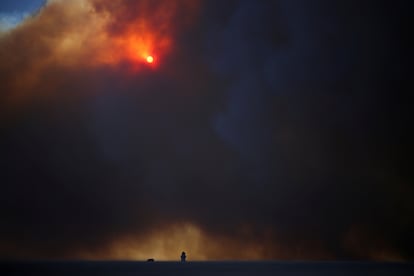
(262, 130)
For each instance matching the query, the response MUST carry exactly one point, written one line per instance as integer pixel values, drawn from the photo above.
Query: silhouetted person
(183, 256)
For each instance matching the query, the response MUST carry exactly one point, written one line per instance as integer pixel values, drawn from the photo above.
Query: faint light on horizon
(167, 243)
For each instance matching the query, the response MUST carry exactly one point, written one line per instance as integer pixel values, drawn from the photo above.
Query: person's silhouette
(183, 256)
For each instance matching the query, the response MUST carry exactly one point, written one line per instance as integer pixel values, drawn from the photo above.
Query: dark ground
(206, 268)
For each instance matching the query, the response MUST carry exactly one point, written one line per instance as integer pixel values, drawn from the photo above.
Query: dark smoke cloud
(309, 110)
(270, 129)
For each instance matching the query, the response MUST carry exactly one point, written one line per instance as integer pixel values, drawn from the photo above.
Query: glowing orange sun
(150, 59)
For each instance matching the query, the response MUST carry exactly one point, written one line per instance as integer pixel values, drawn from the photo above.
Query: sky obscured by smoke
(263, 129)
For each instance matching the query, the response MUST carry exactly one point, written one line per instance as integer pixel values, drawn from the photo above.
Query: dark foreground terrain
(205, 268)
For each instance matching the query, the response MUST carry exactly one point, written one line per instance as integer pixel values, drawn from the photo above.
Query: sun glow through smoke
(150, 59)
(116, 35)
(145, 28)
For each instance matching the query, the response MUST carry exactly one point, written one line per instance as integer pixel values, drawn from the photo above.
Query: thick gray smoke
(278, 124)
